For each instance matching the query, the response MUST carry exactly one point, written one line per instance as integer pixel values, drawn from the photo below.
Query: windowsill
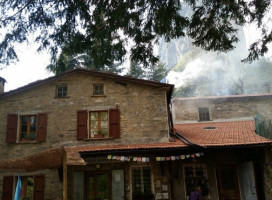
(62, 97)
(102, 138)
(98, 95)
(205, 120)
(26, 141)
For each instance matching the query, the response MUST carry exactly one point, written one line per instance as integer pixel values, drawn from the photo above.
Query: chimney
(2, 85)
(266, 87)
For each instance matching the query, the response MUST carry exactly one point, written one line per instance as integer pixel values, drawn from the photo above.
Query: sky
(32, 65)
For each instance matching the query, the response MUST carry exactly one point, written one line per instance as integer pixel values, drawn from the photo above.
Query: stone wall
(143, 114)
(222, 108)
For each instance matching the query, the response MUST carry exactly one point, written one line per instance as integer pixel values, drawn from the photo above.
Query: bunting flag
(160, 158)
(18, 191)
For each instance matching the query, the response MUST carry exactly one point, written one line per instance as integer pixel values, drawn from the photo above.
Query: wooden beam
(65, 177)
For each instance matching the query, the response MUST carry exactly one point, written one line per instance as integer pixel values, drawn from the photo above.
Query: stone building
(97, 135)
(238, 161)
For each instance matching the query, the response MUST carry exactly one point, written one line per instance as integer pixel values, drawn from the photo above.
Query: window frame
(98, 92)
(90, 136)
(63, 95)
(28, 132)
(141, 167)
(204, 114)
(194, 177)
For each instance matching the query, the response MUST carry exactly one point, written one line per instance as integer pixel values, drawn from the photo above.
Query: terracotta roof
(147, 146)
(234, 133)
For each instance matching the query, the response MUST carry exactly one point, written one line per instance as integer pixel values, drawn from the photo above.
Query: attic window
(98, 89)
(61, 91)
(210, 127)
(204, 114)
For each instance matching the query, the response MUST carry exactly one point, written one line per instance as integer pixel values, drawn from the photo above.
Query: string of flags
(160, 158)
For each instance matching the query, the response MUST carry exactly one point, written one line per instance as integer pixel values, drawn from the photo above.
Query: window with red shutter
(114, 120)
(11, 133)
(82, 116)
(7, 188)
(41, 127)
(39, 182)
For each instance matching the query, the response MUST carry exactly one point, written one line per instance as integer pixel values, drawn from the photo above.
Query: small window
(99, 124)
(204, 114)
(28, 127)
(98, 89)
(61, 91)
(141, 183)
(196, 177)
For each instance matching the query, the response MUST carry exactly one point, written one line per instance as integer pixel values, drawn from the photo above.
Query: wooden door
(98, 186)
(227, 182)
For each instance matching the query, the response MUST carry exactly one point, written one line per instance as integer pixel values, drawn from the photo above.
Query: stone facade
(143, 115)
(222, 108)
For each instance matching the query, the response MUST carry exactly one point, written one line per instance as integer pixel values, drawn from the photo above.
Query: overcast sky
(32, 65)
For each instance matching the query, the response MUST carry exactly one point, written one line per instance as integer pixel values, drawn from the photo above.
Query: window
(61, 91)
(28, 127)
(32, 187)
(141, 183)
(98, 124)
(204, 114)
(31, 128)
(196, 176)
(98, 89)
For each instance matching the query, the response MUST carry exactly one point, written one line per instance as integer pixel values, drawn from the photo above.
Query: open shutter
(41, 127)
(114, 120)
(82, 116)
(39, 181)
(12, 121)
(7, 188)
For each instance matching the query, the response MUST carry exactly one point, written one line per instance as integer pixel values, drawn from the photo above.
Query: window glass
(204, 114)
(27, 187)
(61, 91)
(28, 127)
(98, 89)
(141, 182)
(98, 124)
(196, 176)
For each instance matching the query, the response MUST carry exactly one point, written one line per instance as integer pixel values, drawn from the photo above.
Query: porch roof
(216, 134)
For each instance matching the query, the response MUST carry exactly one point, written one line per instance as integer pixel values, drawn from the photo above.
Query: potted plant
(99, 134)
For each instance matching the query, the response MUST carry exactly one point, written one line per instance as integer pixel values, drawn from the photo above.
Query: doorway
(228, 185)
(98, 185)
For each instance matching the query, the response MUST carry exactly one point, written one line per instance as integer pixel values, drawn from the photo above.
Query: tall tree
(104, 27)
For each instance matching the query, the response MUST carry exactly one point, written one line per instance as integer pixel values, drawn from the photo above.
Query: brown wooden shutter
(7, 188)
(114, 120)
(12, 123)
(39, 182)
(82, 116)
(41, 127)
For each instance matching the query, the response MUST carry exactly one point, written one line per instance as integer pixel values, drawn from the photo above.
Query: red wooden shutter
(114, 120)
(7, 188)
(39, 182)
(82, 116)
(41, 127)
(12, 123)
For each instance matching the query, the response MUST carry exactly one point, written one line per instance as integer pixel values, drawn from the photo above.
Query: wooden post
(64, 177)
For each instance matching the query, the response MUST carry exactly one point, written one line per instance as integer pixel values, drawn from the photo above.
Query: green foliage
(102, 29)
(155, 72)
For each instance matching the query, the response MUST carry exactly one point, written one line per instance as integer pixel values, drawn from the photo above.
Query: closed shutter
(39, 182)
(114, 120)
(41, 127)
(12, 123)
(7, 188)
(82, 116)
